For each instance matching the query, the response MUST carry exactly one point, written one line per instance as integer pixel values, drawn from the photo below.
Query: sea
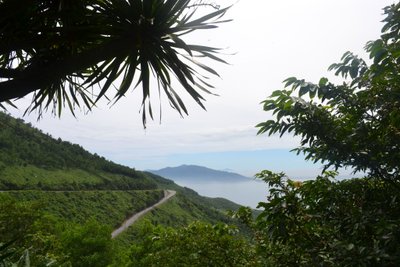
(246, 193)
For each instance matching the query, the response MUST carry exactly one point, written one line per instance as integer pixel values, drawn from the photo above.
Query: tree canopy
(61, 50)
(355, 124)
(198, 244)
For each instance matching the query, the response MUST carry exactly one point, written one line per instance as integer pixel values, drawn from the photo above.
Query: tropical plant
(355, 124)
(60, 50)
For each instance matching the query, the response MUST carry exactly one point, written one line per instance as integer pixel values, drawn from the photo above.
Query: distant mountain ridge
(198, 173)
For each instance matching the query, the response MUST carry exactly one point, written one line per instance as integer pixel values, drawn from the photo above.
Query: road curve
(167, 195)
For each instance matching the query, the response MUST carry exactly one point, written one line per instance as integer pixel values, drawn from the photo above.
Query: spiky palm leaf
(75, 45)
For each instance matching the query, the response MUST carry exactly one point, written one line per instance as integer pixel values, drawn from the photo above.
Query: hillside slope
(30, 159)
(73, 184)
(58, 199)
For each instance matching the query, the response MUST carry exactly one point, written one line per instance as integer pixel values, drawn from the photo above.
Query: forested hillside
(30, 159)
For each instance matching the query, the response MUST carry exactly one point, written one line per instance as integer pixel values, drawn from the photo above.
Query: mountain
(31, 159)
(74, 184)
(199, 173)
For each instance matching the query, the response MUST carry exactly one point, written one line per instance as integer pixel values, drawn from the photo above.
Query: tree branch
(36, 77)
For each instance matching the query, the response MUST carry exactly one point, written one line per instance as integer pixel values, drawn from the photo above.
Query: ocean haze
(215, 183)
(246, 163)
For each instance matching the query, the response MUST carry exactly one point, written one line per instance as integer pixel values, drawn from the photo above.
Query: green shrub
(198, 244)
(324, 222)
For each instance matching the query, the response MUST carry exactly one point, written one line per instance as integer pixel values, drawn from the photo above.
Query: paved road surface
(167, 195)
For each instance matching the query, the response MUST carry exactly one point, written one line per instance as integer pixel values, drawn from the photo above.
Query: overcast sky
(267, 42)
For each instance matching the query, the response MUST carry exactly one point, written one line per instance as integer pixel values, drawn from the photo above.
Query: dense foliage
(34, 160)
(61, 49)
(87, 245)
(354, 124)
(60, 232)
(198, 244)
(108, 207)
(325, 222)
(42, 240)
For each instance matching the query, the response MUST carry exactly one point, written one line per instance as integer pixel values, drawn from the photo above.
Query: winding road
(131, 220)
(167, 195)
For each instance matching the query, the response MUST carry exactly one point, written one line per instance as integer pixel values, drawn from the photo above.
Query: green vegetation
(43, 240)
(185, 208)
(49, 224)
(198, 244)
(324, 222)
(108, 207)
(30, 159)
(87, 245)
(31, 177)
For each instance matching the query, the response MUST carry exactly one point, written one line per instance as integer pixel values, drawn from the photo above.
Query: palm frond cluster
(62, 50)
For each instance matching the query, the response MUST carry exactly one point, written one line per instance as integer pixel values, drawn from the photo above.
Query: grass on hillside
(107, 207)
(30, 177)
(180, 210)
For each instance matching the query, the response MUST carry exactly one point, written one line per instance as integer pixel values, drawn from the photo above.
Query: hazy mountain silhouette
(199, 173)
